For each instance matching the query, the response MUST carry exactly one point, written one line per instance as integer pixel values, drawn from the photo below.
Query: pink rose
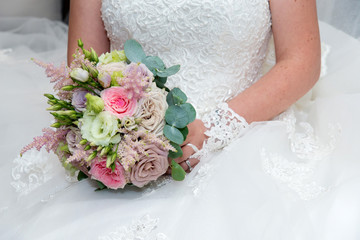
(150, 166)
(112, 179)
(117, 102)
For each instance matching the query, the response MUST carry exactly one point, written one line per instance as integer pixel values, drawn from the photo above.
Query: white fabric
(296, 177)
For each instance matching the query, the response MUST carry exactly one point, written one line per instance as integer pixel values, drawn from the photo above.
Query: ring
(193, 147)
(189, 165)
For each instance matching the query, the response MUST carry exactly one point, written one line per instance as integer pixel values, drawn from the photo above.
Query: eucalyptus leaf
(162, 86)
(190, 111)
(176, 97)
(168, 71)
(184, 131)
(81, 176)
(176, 116)
(161, 79)
(173, 134)
(177, 172)
(170, 99)
(133, 51)
(153, 62)
(178, 152)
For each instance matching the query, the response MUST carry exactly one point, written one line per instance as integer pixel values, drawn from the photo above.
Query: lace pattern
(200, 180)
(299, 173)
(141, 229)
(223, 126)
(220, 44)
(31, 171)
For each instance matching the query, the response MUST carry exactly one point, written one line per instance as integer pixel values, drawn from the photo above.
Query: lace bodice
(220, 44)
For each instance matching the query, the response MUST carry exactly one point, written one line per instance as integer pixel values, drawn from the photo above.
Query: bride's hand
(196, 137)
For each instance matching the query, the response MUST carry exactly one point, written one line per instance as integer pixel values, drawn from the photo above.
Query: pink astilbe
(79, 60)
(133, 146)
(79, 156)
(59, 76)
(50, 139)
(137, 78)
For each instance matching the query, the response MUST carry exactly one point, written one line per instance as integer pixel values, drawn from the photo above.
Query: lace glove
(223, 126)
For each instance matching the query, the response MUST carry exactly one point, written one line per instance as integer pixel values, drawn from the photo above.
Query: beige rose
(150, 166)
(152, 111)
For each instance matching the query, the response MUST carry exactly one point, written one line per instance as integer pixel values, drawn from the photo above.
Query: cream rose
(152, 111)
(107, 70)
(150, 166)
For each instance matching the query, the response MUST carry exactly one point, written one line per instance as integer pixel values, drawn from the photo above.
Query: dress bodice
(220, 44)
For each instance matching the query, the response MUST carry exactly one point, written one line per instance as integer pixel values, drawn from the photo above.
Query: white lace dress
(295, 177)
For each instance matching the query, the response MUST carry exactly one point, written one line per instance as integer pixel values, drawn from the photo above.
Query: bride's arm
(297, 44)
(85, 22)
(298, 54)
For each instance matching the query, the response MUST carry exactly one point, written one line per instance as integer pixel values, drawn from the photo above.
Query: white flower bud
(79, 74)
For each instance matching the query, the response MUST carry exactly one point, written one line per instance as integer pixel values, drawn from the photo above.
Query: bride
(267, 157)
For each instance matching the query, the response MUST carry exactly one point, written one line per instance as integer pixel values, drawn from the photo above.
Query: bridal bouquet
(115, 121)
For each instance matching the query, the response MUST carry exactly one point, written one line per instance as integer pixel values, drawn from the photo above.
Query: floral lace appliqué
(31, 171)
(141, 229)
(299, 173)
(223, 126)
(200, 180)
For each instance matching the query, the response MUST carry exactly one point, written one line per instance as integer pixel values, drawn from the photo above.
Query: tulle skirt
(296, 177)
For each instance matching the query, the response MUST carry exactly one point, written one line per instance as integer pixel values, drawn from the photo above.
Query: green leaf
(133, 51)
(177, 172)
(160, 82)
(101, 186)
(173, 134)
(176, 97)
(184, 131)
(161, 79)
(162, 86)
(176, 116)
(153, 63)
(81, 176)
(190, 111)
(168, 71)
(178, 152)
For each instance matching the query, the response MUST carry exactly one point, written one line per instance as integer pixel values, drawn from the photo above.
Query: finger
(193, 163)
(187, 152)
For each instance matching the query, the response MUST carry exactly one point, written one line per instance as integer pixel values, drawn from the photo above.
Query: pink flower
(117, 102)
(112, 179)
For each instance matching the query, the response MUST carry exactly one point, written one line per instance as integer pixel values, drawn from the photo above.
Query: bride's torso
(220, 44)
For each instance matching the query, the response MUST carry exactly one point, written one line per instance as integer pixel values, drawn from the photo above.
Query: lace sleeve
(223, 126)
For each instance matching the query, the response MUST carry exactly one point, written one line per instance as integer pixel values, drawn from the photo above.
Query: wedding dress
(295, 177)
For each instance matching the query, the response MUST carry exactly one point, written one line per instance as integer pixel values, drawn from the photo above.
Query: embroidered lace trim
(223, 126)
(31, 171)
(299, 173)
(140, 229)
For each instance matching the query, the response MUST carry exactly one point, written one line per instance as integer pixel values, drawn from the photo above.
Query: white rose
(100, 129)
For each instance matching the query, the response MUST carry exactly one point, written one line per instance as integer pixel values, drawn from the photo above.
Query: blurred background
(51, 9)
